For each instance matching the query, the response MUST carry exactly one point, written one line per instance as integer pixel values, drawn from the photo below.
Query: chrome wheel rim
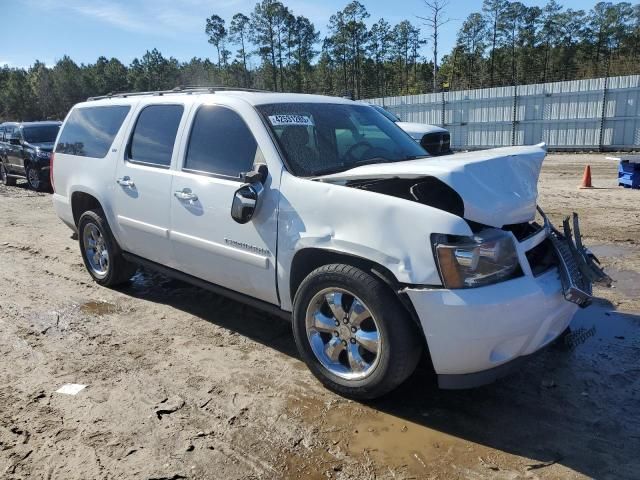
(343, 334)
(95, 250)
(33, 176)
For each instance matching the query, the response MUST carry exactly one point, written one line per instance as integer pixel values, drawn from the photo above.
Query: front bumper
(475, 335)
(474, 330)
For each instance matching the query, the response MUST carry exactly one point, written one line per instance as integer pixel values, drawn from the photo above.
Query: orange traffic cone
(586, 178)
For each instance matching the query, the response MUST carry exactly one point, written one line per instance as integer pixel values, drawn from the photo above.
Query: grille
(576, 287)
(541, 258)
(437, 143)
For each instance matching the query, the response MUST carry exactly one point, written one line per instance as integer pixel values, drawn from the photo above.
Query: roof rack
(188, 90)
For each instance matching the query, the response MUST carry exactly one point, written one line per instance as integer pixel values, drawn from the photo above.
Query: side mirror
(246, 201)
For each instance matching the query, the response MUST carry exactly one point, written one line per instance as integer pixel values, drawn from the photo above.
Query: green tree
(68, 87)
(216, 33)
(153, 72)
(494, 11)
(239, 33)
(265, 21)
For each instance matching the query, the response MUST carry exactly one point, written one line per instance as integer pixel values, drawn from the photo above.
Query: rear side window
(89, 132)
(220, 143)
(155, 134)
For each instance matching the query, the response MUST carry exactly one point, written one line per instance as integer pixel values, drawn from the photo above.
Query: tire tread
(403, 336)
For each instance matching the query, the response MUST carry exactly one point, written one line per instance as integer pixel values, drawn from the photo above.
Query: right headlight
(482, 259)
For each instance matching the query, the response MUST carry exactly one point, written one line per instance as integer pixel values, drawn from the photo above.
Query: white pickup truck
(435, 140)
(321, 210)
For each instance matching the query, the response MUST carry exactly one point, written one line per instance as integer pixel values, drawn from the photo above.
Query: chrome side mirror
(246, 201)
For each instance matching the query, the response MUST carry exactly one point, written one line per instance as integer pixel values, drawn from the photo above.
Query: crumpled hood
(498, 186)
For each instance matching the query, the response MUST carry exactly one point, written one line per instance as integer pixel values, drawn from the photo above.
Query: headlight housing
(482, 259)
(43, 155)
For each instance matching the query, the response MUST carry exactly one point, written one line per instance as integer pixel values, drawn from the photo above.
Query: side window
(220, 143)
(89, 132)
(155, 134)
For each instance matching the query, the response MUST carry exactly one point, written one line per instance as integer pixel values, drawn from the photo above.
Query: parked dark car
(25, 152)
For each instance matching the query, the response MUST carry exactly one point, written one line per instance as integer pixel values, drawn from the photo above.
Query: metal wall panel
(587, 114)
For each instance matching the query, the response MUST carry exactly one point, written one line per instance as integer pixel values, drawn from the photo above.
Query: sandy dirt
(184, 384)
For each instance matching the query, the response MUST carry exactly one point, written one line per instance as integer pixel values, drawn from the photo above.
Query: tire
(8, 181)
(115, 270)
(34, 178)
(399, 346)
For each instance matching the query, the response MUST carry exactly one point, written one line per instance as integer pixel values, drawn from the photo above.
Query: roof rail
(188, 90)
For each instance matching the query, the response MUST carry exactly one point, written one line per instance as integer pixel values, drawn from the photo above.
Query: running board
(212, 287)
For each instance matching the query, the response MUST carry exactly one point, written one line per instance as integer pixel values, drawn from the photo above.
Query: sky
(46, 30)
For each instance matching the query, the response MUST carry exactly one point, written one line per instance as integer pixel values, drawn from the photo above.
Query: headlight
(43, 155)
(485, 258)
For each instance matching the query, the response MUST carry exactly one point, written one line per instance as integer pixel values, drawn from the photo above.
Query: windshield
(41, 134)
(322, 138)
(389, 115)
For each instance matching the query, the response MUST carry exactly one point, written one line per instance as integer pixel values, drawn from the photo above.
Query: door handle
(125, 182)
(185, 194)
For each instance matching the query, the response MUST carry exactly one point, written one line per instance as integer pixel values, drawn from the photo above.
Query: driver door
(207, 242)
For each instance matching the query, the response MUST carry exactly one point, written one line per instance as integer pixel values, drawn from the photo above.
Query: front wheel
(353, 333)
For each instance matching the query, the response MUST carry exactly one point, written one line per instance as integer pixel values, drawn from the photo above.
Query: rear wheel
(100, 252)
(6, 179)
(353, 333)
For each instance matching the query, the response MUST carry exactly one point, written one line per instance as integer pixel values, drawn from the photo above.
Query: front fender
(389, 231)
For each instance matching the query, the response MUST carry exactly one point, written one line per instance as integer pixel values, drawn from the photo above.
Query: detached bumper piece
(579, 268)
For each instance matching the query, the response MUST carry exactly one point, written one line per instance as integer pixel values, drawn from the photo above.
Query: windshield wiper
(344, 168)
(371, 161)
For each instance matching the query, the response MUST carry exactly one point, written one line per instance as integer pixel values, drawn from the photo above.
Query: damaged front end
(578, 267)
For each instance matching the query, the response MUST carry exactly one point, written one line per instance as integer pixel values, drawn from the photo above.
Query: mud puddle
(99, 309)
(375, 437)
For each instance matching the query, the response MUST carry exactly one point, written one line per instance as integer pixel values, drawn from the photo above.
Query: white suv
(322, 210)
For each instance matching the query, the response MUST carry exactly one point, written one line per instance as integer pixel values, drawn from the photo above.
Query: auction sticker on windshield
(285, 120)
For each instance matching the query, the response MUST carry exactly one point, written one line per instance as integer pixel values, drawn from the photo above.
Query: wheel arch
(308, 259)
(81, 202)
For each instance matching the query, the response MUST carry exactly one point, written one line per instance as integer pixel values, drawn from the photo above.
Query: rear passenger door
(143, 182)
(14, 152)
(207, 242)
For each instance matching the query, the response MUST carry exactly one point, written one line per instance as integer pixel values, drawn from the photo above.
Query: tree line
(272, 48)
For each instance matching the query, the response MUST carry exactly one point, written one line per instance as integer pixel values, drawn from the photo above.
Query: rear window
(154, 135)
(89, 132)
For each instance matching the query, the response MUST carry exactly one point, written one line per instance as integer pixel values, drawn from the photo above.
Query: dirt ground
(184, 384)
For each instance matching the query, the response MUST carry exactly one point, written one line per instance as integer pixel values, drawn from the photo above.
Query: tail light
(51, 171)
